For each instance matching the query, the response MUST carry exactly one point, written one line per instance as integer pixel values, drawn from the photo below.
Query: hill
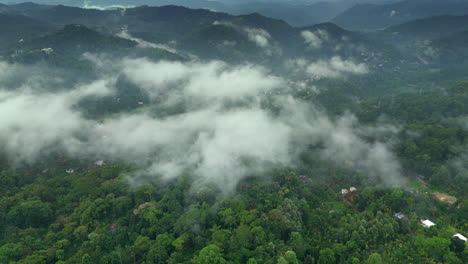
(62, 15)
(14, 27)
(297, 14)
(65, 46)
(431, 27)
(372, 17)
(452, 48)
(76, 38)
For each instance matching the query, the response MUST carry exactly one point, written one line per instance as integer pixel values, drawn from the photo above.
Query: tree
(160, 249)
(291, 257)
(298, 244)
(210, 254)
(374, 258)
(10, 251)
(457, 245)
(326, 256)
(32, 213)
(86, 259)
(252, 261)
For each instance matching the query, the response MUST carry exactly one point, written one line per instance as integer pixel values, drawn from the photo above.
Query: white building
(47, 50)
(344, 191)
(353, 189)
(427, 223)
(399, 215)
(460, 236)
(99, 163)
(69, 171)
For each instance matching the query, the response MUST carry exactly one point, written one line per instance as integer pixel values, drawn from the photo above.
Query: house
(350, 190)
(99, 163)
(427, 223)
(460, 236)
(399, 215)
(47, 51)
(69, 171)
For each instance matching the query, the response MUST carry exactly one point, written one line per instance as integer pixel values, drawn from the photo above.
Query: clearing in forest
(445, 198)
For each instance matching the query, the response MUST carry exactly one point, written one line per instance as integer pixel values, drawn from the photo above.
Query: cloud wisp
(315, 39)
(143, 43)
(259, 36)
(335, 67)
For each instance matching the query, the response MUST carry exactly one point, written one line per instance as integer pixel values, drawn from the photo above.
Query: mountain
(223, 42)
(4, 8)
(253, 37)
(68, 43)
(62, 15)
(372, 17)
(335, 40)
(77, 38)
(452, 48)
(28, 7)
(278, 29)
(431, 27)
(14, 27)
(175, 21)
(295, 14)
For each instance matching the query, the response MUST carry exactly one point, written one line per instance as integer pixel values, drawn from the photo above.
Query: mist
(224, 133)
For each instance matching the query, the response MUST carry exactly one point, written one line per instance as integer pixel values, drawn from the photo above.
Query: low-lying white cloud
(204, 81)
(335, 67)
(316, 38)
(143, 43)
(259, 36)
(225, 133)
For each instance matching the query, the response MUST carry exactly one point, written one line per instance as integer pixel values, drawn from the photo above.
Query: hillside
(14, 27)
(372, 17)
(431, 27)
(176, 135)
(77, 39)
(452, 48)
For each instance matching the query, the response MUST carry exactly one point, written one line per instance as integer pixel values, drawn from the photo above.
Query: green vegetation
(282, 216)
(305, 213)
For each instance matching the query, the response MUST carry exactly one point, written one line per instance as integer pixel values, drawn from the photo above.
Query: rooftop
(460, 236)
(427, 223)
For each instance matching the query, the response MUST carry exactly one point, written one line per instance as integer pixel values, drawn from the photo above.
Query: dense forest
(286, 215)
(377, 166)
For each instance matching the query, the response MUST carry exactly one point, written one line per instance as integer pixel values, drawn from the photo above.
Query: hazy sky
(188, 1)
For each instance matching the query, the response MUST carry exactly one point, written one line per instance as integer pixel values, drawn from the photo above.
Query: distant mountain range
(349, 14)
(205, 33)
(297, 13)
(372, 17)
(430, 27)
(14, 26)
(217, 35)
